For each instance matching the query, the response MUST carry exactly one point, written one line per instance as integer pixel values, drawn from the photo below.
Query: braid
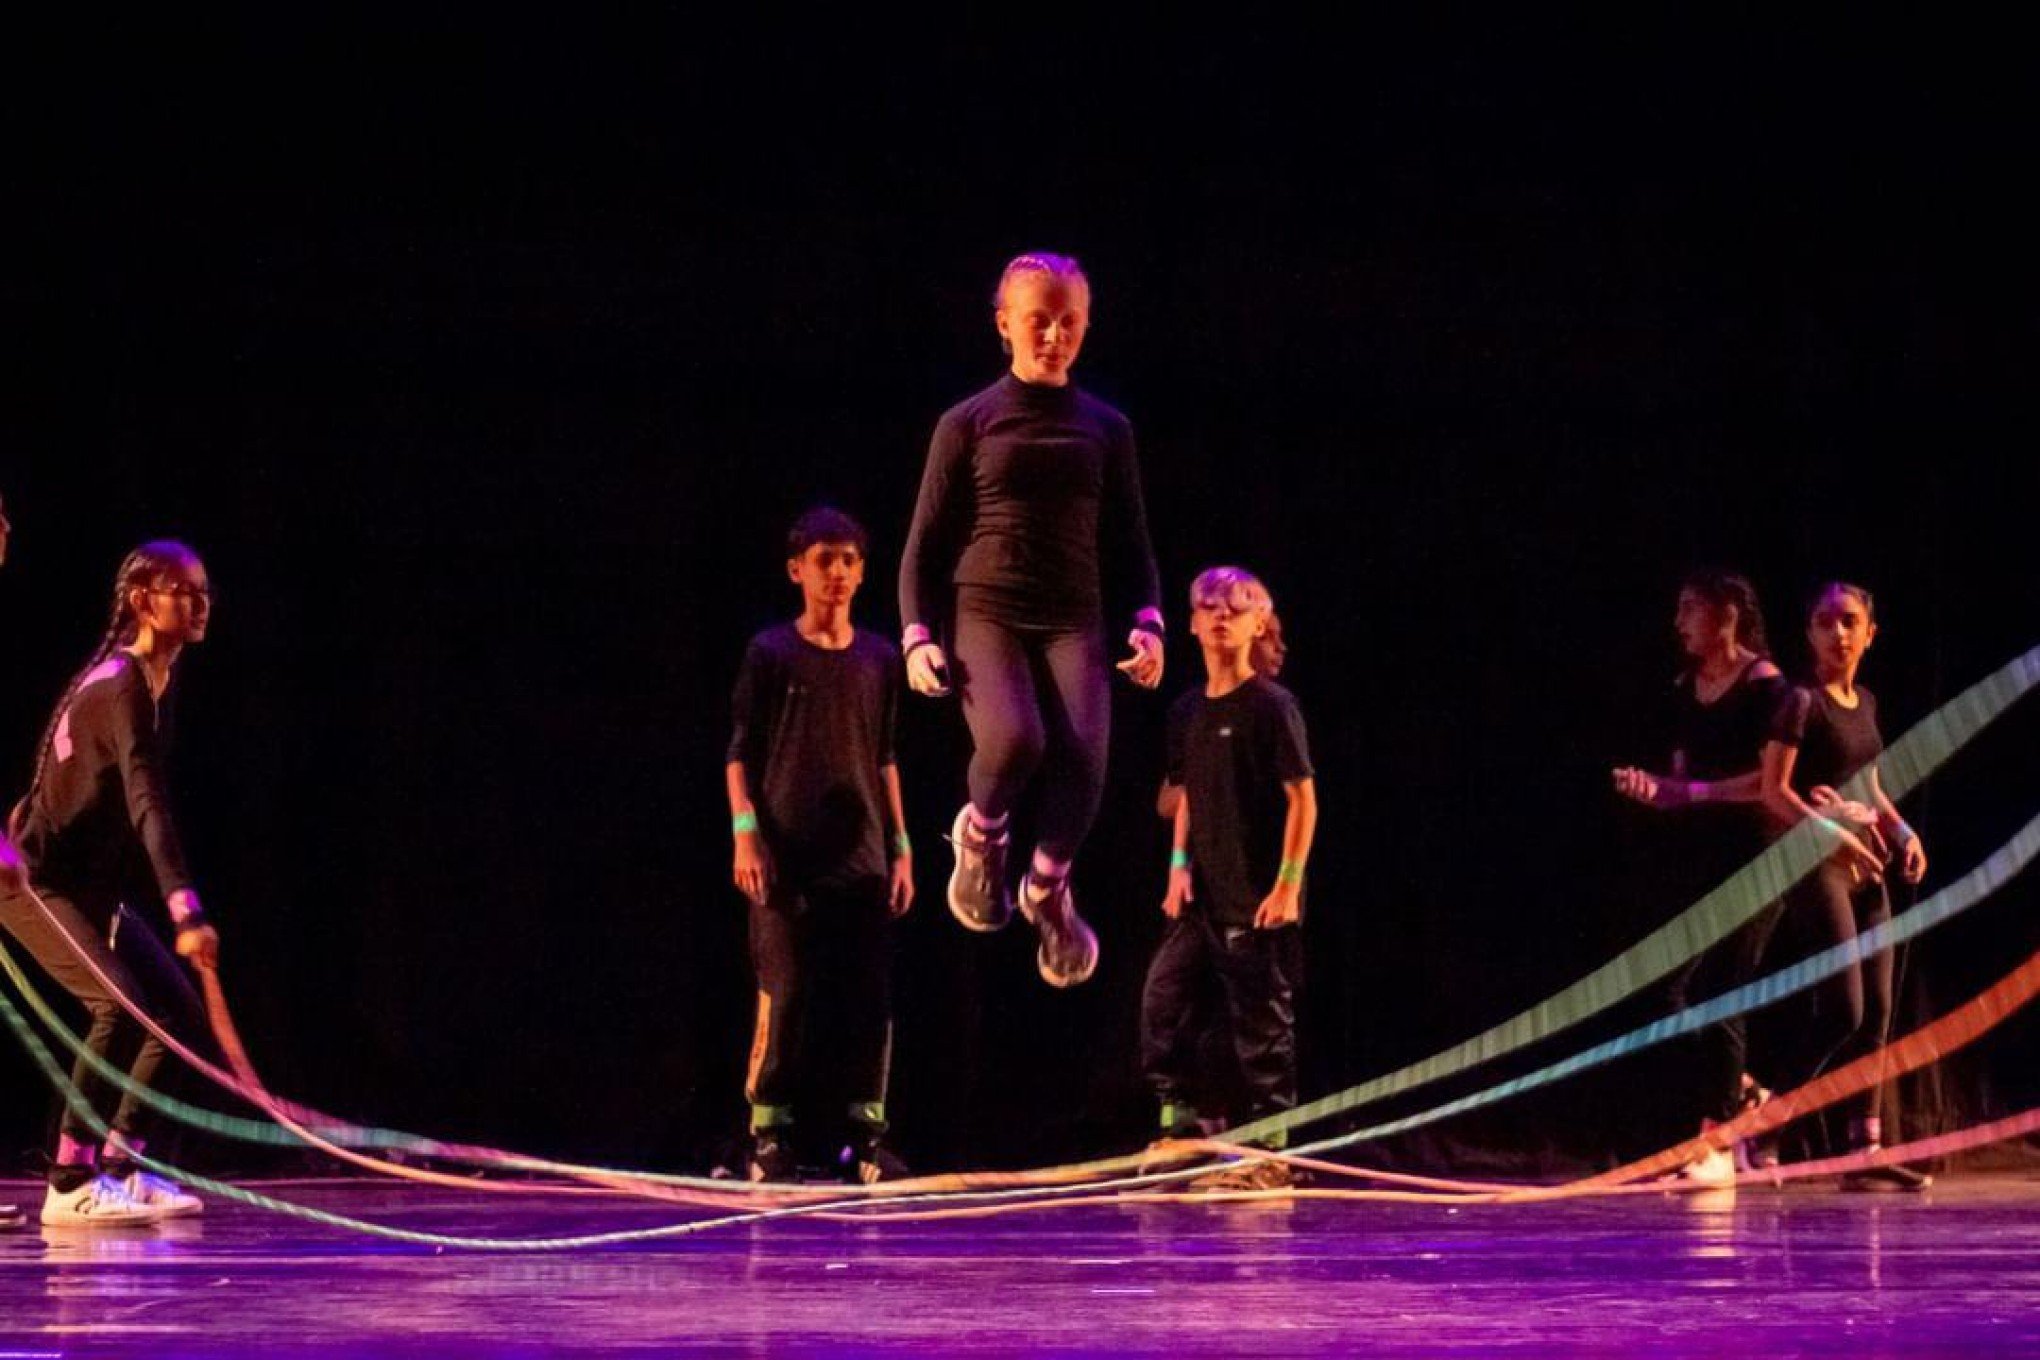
(138, 568)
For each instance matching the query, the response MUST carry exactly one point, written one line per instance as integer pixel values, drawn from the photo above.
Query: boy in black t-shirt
(821, 845)
(1244, 806)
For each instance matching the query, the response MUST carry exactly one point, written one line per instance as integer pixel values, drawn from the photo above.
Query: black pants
(1037, 699)
(822, 952)
(1257, 972)
(137, 961)
(1721, 1052)
(1851, 1011)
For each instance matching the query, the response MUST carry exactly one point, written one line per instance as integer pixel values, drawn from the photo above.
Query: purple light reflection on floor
(1807, 1271)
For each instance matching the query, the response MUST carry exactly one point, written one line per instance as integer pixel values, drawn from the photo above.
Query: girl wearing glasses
(95, 832)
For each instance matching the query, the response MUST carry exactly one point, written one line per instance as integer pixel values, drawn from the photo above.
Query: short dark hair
(824, 524)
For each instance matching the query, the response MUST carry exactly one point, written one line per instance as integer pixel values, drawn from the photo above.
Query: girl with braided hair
(96, 836)
(1029, 536)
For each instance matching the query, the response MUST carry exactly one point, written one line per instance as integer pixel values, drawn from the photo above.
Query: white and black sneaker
(978, 896)
(101, 1202)
(167, 1198)
(1069, 947)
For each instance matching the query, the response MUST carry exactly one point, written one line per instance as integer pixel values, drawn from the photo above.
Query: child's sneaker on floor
(167, 1198)
(101, 1202)
(772, 1156)
(867, 1161)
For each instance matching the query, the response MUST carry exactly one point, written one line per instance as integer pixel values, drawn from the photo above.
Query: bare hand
(1282, 907)
(200, 944)
(13, 878)
(1180, 891)
(1144, 667)
(928, 671)
(1846, 850)
(900, 896)
(1639, 785)
(1913, 860)
(753, 870)
(1859, 817)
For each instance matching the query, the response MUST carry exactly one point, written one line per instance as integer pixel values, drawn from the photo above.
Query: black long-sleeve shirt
(100, 822)
(1032, 492)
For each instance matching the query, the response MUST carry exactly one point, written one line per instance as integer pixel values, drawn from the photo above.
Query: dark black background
(485, 365)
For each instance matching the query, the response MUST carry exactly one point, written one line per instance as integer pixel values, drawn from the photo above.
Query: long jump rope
(1929, 744)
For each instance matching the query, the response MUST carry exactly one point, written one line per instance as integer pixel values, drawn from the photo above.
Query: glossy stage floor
(1801, 1271)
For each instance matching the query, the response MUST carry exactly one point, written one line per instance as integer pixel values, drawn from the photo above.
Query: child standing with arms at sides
(1243, 828)
(1821, 762)
(821, 845)
(1029, 543)
(95, 833)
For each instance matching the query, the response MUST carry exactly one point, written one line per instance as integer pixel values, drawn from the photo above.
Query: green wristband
(743, 822)
(1291, 872)
(1179, 859)
(902, 844)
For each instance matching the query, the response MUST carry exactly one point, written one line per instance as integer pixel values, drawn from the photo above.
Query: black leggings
(1721, 1052)
(1852, 1010)
(137, 962)
(1036, 698)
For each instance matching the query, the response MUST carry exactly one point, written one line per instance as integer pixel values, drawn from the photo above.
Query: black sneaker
(1892, 1179)
(772, 1156)
(978, 896)
(867, 1161)
(1069, 947)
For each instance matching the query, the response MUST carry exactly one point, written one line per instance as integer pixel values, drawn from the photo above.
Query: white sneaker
(1716, 1167)
(167, 1198)
(101, 1202)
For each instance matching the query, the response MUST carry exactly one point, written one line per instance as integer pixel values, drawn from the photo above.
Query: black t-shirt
(813, 727)
(99, 828)
(1032, 492)
(1725, 738)
(1835, 742)
(1232, 755)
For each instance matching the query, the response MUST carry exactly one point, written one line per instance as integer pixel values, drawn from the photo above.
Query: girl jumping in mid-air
(1028, 539)
(95, 832)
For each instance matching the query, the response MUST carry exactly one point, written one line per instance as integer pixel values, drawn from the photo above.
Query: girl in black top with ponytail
(1720, 712)
(1029, 546)
(95, 833)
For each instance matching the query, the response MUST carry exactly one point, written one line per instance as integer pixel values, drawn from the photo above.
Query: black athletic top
(1724, 738)
(1033, 492)
(813, 727)
(1834, 742)
(100, 824)
(1232, 755)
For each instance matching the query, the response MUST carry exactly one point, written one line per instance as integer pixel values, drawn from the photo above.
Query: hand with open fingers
(1144, 667)
(1180, 891)
(752, 872)
(1282, 907)
(200, 944)
(900, 894)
